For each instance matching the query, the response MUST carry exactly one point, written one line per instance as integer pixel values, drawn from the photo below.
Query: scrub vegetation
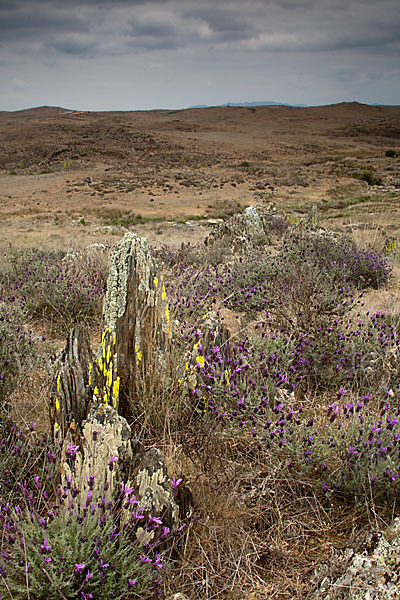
(283, 443)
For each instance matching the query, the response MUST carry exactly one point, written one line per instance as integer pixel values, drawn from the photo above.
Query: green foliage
(370, 178)
(79, 554)
(391, 153)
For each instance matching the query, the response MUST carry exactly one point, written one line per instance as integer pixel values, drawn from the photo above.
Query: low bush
(17, 346)
(21, 451)
(310, 279)
(47, 288)
(54, 545)
(370, 178)
(353, 446)
(303, 334)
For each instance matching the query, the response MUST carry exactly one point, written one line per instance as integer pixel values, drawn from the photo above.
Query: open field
(68, 176)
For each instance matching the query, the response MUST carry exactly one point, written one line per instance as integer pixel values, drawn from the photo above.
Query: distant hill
(37, 111)
(248, 104)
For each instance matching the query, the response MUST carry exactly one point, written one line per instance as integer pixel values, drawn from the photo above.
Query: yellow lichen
(200, 361)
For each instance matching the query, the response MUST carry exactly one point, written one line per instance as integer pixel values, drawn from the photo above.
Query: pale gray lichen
(112, 434)
(242, 230)
(370, 575)
(153, 486)
(130, 248)
(252, 217)
(117, 282)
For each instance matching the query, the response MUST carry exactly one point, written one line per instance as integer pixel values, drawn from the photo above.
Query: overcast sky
(143, 54)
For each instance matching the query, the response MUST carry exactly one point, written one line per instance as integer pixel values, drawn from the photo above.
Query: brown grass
(261, 533)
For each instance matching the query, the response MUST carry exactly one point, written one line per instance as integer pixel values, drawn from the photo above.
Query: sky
(146, 54)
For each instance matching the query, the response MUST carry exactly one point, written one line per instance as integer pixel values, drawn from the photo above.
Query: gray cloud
(154, 31)
(34, 22)
(257, 25)
(223, 24)
(74, 44)
(228, 45)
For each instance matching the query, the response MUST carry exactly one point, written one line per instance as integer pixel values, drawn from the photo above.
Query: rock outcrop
(91, 393)
(371, 574)
(137, 313)
(104, 459)
(71, 394)
(245, 230)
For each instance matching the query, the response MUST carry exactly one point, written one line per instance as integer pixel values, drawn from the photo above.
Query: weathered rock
(244, 230)
(372, 574)
(153, 488)
(104, 435)
(391, 245)
(70, 396)
(106, 450)
(136, 311)
(97, 449)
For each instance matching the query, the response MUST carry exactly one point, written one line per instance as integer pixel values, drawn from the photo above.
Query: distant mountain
(247, 104)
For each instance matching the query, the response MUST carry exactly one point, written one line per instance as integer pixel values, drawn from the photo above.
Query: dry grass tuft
(261, 532)
(30, 400)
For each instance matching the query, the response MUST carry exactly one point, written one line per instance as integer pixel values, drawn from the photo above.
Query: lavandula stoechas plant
(44, 286)
(307, 338)
(17, 345)
(54, 546)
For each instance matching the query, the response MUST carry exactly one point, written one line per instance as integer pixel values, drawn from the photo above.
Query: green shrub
(62, 543)
(370, 178)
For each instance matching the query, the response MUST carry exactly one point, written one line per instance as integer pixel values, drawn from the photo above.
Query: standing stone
(91, 395)
(242, 231)
(136, 311)
(70, 396)
(103, 448)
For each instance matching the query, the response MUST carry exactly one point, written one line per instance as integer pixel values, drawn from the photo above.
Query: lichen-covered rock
(137, 312)
(153, 488)
(391, 245)
(243, 231)
(372, 574)
(86, 409)
(105, 449)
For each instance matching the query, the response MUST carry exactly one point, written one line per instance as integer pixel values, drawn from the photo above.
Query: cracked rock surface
(372, 574)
